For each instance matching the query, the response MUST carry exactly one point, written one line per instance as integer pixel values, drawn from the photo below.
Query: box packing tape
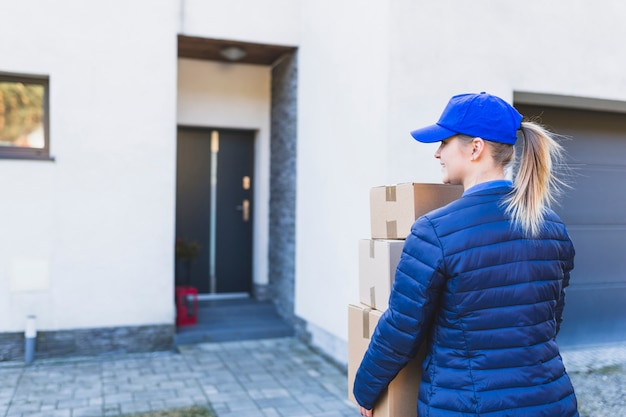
(366, 322)
(392, 228)
(390, 193)
(372, 289)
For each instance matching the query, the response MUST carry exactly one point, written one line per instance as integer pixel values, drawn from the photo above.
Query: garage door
(595, 213)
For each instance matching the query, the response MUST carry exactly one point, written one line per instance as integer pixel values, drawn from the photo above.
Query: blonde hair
(537, 183)
(537, 175)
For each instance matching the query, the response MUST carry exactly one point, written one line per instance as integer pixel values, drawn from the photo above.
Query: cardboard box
(400, 397)
(394, 208)
(378, 259)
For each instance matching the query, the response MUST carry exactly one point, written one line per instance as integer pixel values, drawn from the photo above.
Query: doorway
(214, 191)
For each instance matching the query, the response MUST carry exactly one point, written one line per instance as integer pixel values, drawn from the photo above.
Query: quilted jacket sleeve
(402, 328)
(568, 265)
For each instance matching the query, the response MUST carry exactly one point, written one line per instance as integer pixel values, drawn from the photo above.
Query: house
(296, 108)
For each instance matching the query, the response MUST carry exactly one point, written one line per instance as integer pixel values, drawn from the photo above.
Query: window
(24, 130)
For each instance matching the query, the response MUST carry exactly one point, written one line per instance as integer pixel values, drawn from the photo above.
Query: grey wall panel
(597, 196)
(600, 255)
(590, 137)
(594, 315)
(594, 210)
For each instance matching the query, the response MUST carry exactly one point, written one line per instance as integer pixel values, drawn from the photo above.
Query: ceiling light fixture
(233, 53)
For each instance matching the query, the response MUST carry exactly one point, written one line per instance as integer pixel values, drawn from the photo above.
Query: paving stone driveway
(272, 377)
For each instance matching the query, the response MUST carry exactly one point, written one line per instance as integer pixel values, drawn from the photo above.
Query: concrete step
(233, 320)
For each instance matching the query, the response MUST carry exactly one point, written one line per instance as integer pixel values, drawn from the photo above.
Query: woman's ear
(478, 146)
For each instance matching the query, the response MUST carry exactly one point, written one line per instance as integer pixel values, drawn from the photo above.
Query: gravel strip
(599, 378)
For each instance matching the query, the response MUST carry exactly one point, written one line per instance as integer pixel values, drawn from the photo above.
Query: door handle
(245, 208)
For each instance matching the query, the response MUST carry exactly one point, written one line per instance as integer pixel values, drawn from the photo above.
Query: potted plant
(186, 251)
(186, 295)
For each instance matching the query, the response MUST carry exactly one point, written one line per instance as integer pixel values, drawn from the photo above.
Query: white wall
(342, 134)
(448, 47)
(213, 94)
(87, 240)
(274, 22)
(92, 232)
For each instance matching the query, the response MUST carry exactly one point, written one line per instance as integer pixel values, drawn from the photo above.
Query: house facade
(145, 115)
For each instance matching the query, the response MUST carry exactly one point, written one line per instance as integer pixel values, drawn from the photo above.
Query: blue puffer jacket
(488, 303)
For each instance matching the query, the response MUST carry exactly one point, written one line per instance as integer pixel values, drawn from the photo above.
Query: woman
(481, 281)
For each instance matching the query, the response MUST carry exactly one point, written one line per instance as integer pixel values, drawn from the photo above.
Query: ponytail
(535, 186)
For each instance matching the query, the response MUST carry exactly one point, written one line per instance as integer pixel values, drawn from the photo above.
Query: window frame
(16, 152)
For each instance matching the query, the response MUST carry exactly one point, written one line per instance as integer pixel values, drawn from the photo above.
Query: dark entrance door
(214, 208)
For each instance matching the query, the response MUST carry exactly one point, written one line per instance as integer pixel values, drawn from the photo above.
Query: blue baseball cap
(479, 115)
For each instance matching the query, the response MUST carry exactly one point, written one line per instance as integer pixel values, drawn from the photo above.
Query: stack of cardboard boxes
(393, 210)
